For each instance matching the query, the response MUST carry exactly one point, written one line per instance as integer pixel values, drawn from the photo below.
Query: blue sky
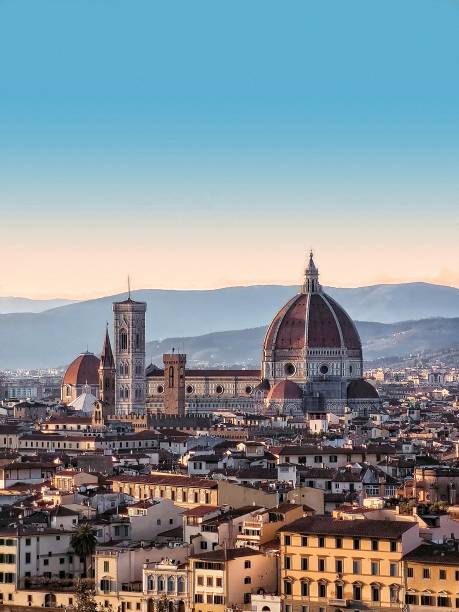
(201, 144)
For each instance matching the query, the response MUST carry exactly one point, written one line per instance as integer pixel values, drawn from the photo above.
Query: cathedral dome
(84, 369)
(312, 337)
(285, 390)
(312, 320)
(361, 389)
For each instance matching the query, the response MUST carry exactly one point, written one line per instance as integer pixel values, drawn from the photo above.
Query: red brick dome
(285, 390)
(361, 389)
(82, 370)
(312, 320)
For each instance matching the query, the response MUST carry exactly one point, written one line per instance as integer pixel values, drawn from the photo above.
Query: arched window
(150, 583)
(180, 584)
(170, 584)
(160, 584)
(123, 340)
(171, 376)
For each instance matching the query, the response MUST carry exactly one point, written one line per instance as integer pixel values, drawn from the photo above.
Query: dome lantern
(311, 277)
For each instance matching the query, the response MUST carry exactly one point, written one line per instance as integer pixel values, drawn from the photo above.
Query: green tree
(84, 543)
(85, 597)
(164, 604)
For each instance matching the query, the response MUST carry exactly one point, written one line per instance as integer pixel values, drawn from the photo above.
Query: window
(200, 580)
(247, 580)
(339, 543)
(219, 582)
(442, 574)
(287, 563)
(321, 565)
(375, 570)
(374, 592)
(123, 340)
(426, 572)
(321, 542)
(304, 563)
(393, 569)
(356, 544)
(219, 600)
(27, 557)
(209, 581)
(304, 541)
(339, 591)
(287, 540)
(322, 589)
(304, 589)
(318, 459)
(356, 566)
(393, 593)
(339, 567)
(443, 601)
(410, 573)
(199, 598)
(374, 544)
(357, 592)
(287, 587)
(171, 376)
(393, 546)
(247, 564)
(427, 600)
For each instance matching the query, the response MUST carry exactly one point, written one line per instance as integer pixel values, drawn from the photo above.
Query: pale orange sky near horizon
(75, 274)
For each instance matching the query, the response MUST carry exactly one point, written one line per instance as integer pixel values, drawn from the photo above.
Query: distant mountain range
(14, 304)
(378, 339)
(55, 336)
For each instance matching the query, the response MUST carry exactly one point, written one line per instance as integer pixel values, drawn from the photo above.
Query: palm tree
(84, 543)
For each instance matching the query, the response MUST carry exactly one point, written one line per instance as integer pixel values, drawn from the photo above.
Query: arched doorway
(50, 600)
(181, 606)
(151, 605)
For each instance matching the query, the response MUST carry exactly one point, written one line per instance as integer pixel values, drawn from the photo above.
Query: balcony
(338, 602)
(53, 584)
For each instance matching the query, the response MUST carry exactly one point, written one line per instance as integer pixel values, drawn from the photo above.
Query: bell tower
(174, 383)
(129, 331)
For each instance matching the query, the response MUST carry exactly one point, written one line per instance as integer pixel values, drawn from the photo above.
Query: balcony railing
(53, 583)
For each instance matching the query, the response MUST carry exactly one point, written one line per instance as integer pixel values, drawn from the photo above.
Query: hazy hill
(379, 340)
(15, 304)
(55, 336)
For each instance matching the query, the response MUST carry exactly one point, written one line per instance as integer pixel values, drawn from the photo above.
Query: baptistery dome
(311, 337)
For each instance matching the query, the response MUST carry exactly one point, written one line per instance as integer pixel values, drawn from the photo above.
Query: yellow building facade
(329, 564)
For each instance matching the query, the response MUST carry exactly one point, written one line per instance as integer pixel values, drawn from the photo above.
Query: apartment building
(345, 564)
(432, 578)
(222, 579)
(184, 491)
